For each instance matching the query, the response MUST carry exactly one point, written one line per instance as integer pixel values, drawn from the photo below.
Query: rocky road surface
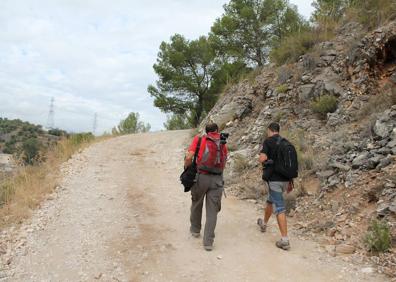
(120, 215)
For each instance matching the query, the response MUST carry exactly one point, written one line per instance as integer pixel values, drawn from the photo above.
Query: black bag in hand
(187, 178)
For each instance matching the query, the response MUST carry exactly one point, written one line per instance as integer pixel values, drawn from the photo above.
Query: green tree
(176, 122)
(185, 70)
(328, 10)
(31, 150)
(248, 29)
(131, 125)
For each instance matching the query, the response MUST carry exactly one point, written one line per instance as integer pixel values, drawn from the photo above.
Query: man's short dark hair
(274, 127)
(211, 127)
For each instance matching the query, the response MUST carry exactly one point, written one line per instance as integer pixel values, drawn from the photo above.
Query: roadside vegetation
(192, 74)
(38, 155)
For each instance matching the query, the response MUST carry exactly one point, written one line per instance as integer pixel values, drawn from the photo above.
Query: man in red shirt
(211, 160)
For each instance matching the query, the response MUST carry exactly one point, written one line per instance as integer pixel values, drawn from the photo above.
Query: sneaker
(195, 234)
(284, 245)
(208, 248)
(263, 227)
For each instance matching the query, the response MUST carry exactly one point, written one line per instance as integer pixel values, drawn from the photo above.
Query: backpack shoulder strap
(197, 149)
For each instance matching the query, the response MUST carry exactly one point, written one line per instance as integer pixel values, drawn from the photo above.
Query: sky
(92, 56)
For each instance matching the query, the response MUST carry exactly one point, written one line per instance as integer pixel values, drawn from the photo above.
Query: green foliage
(282, 88)
(249, 28)
(81, 138)
(295, 45)
(31, 150)
(378, 237)
(328, 10)
(185, 70)
(372, 13)
(176, 122)
(131, 125)
(324, 104)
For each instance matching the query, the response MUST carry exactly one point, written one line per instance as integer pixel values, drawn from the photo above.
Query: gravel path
(120, 215)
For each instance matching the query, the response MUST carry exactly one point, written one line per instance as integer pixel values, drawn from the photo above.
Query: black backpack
(187, 178)
(286, 162)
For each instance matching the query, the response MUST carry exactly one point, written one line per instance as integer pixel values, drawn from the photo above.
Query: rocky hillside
(346, 141)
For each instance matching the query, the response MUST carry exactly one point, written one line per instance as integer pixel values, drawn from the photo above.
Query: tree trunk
(198, 111)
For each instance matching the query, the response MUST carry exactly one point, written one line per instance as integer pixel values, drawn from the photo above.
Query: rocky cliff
(347, 157)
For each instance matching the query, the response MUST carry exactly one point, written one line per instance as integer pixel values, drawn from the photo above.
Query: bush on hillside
(378, 237)
(294, 46)
(281, 88)
(324, 104)
(31, 151)
(80, 138)
(372, 13)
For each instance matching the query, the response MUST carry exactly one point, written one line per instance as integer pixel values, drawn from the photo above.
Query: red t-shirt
(194, 144)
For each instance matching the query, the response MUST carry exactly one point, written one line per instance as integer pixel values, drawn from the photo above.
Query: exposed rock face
(7, 163)
(348, 152)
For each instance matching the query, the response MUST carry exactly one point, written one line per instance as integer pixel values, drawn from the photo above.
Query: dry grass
(30, 185)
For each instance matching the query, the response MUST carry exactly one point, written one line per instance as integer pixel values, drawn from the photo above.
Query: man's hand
(263, 158)
(188, 159)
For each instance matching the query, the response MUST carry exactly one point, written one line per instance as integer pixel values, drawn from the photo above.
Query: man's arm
(264, 153)
(188, 159)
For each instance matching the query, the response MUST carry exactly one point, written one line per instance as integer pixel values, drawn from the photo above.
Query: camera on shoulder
(223, 137)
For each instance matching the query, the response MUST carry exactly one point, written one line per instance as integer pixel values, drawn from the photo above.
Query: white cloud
(91, 56)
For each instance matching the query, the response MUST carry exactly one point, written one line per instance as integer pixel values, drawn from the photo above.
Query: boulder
(384, 162)
(391, 144)
(237, 109)
(381, 129)
(306, 92)
(360, 160)
(333, 88)
(374, 161)
(340, 166)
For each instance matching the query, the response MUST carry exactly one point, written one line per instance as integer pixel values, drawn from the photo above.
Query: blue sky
(92, 56)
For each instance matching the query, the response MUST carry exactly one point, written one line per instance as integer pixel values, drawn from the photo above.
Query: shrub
(80, 138)
(281, 88)
(31, 150)
(295, 45)
(324, 104)
(378, 237)
(372, 13)
(240, 163)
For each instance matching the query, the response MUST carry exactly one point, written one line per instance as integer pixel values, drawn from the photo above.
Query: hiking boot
(263, 227)
(208, 248)
(195, 234)
(282, 244)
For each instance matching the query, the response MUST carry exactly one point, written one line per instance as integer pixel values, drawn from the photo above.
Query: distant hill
(26, 140)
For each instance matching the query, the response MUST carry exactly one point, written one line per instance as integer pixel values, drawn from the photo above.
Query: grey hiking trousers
(211, 186)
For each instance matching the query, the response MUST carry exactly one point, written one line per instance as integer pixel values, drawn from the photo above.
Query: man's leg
(280, 211)
(197, 198)
(282, 223)
(213, 206)
(268, 212)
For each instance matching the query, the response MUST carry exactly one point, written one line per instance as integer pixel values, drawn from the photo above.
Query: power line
(51, 115)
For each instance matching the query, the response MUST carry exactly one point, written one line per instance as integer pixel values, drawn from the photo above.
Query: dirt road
(121, 215)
